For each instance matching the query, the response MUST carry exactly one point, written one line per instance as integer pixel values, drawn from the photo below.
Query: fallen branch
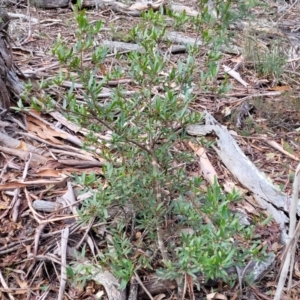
(293, 237)
(265, 193)
(103, 277)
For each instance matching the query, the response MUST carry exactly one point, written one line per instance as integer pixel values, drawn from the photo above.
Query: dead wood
(170, 36)
(133, 289)
(134, 10)
(264, 192)
(38, 182)
(14, 144)
(36, 158)
(103, 277)
(155, 285)
(115, 46)
(10, 84)
(46, 206)
(50, 3)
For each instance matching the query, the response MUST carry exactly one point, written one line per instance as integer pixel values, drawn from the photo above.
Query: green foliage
(142, 158)
(209, 249)
(81, 273)
(269, 61)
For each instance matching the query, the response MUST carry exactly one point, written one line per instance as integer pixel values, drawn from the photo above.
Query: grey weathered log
(115, 46)
(136, 8)
(101, 276)
(132, 9)
(46, 206)
(182, 41)
(50, 3)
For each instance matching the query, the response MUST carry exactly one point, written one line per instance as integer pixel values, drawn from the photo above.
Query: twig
(30, 25)
(45, 294)
(184, 287)
(4, 284)
(45, 258)
(34, 213)
(268, 94)
(161, 246)
(63, 278)
(39, 218)
(4, 169)
(15, 16)
(127, 139)
(15, 203)
(190, 286)
(16, 245)
(26, 167)
(62, 147)
(16, 200)
(157, 187)
(238, 272)
(58, 219)
(88, 227)
(70, 198)
(35, 274)
(258, 294)
(142, 285)
(37, 236)
(292, 239)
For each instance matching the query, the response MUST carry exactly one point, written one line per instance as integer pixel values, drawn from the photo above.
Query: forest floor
(261, 110)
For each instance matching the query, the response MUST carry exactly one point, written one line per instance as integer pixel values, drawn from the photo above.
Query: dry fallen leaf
(296, 270)
(235, 75)
(230, 186)
(37, 182)
(234, 296)
(249, 207)
(278, 147)
(48, 173)
(238, 59)
(43, 131)
(280, 88)
(4, 205)
(270, 156)
(159, 297)
(216, 296)
(226, 111)
(207, 168)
